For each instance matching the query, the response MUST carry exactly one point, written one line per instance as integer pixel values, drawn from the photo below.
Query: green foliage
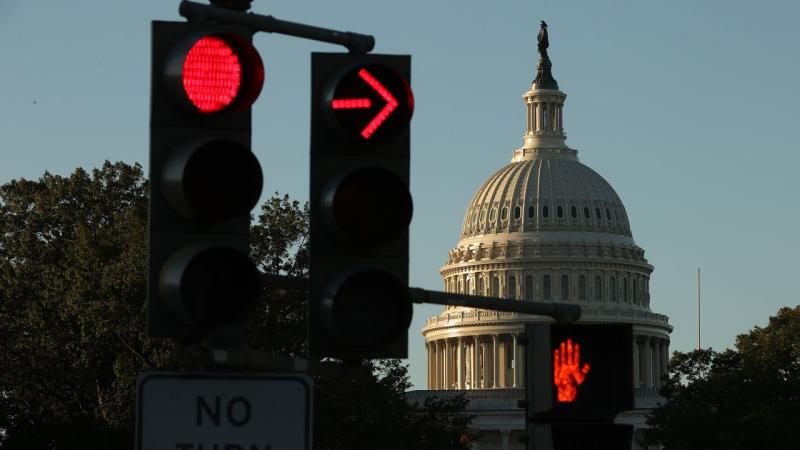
(72, 258)
(736, 399)
(72, 341)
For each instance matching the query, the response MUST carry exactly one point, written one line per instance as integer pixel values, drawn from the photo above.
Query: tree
(72, 340)
(735, 399)
(72, 257)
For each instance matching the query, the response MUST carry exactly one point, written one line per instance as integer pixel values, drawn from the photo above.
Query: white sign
(177, 411)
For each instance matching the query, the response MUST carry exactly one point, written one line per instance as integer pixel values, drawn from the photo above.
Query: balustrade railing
(477, 315)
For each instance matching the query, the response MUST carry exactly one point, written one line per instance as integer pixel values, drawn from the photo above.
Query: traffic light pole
(354, 42)
(561, 312)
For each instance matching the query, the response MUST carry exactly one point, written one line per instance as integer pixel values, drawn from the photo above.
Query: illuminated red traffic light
(568, 373)
(368, 102)
(213, 73)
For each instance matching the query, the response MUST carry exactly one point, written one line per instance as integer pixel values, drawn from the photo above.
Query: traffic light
(204, 180)
(361, 206)
(578, 378)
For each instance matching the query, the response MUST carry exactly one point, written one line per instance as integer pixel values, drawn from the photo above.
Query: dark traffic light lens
(215, 180)
(367, 308)
(370, 205)
(210, 285)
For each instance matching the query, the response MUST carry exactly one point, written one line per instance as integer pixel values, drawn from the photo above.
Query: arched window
(582, 287)
(625, 290)
(608, 215)
(504, 213)
(560, 212)
(481, 286)
(512, 287)
(516, 212)
(564, 287)
(612, 289)
(596, 213)
(460, 286)
(531, 212)
(495, 287)
(528, 287)
(547, 289)
(586, 212)
(598, 289)
(545, 212)
(469, 287)
(573, 211)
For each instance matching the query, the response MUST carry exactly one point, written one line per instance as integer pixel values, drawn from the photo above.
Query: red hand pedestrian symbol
(567, 373)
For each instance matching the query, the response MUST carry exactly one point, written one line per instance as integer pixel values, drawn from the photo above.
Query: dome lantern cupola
(544, 131)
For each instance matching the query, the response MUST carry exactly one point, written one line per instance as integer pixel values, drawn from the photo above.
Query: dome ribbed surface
(545, 194)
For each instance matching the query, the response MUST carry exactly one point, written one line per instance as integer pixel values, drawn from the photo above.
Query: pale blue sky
(688, 108)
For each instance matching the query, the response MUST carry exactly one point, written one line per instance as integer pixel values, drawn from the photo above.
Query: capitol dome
(543, 228)
(547, 190)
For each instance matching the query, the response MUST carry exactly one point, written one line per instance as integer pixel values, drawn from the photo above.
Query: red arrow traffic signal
(368, 102)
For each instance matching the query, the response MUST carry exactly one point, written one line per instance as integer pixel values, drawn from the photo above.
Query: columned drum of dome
(543, 228)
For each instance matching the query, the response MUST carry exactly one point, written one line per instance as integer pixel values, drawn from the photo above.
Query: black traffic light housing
(360, 205)
(594, 363)
(596, 360)
(204, 180)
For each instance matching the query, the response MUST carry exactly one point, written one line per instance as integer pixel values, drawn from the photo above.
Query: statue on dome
(544, 42)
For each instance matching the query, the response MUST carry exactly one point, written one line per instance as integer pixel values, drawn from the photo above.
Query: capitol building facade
(543, 228)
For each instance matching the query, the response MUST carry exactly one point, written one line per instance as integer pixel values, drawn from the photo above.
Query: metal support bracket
(355, 42)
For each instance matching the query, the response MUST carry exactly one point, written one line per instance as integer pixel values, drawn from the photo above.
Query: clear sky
(688, 108)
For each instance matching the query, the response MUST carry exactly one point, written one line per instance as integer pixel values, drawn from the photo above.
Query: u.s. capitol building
(543, 228)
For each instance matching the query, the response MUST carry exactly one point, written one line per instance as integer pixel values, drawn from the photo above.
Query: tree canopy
(742, 398)
(72, 335)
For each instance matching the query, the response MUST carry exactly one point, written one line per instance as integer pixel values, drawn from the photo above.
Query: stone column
(428, 361)
(505, 440)
(531, 114)
(460, 363)
(654, 358)
(446, 365)
(495, 362)
(648, 360)
(636, 380)
(438, 363)
(504, 360)
(657, 348)
(521, 376)
(515, 350)
(435, 365)
(484, 365)
(476, 348)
